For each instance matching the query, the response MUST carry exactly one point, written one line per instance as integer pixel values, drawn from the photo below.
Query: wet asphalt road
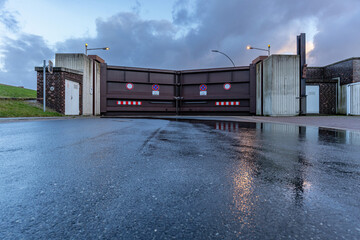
(159, 179)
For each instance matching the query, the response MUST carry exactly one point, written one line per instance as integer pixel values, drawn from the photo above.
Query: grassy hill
(19, 108)
(7, 91)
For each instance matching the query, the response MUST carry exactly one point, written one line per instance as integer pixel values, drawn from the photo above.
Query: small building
(64, 90)
(72, 71)
(335, 88)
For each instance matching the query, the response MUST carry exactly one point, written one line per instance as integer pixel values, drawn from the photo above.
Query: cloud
(9, 20)
(21, 56)
(338, 37)
(20, 53)
(197, 28)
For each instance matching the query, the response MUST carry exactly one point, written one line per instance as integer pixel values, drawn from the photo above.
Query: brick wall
(56, 99)
(356, 66)
(327, 99)
(314, 74)
(343, 69)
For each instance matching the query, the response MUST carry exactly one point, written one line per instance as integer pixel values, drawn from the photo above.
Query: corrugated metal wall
(281, 85)
(258, 89)
(342, 99)
(354, 99)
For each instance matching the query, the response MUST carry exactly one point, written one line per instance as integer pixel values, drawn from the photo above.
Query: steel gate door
(221, 91)
(137, 91)
(140, 91)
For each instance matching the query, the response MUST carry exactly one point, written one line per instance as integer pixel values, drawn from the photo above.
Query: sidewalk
(17, 119)
(351, 123)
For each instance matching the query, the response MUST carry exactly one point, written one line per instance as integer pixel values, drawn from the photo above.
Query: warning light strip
(137, 103)
(227, 103)
(225, 126)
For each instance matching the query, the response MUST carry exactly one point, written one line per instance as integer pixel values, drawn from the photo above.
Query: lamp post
(88, 49)
(217, 51)
(261, 49)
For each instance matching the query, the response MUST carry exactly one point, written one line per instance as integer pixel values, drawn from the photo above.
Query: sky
(172, 34)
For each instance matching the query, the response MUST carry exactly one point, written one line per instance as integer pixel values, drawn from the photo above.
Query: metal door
(312, 99)
(71, 98)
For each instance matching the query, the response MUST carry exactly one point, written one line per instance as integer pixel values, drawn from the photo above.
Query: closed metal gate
(140, 91)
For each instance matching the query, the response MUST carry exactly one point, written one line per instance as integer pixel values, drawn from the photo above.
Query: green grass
(16, 92)
(16, 108)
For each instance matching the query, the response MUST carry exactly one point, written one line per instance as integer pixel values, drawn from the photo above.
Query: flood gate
(141, 91)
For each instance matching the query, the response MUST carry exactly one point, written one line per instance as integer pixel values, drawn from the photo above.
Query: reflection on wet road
(158, 179)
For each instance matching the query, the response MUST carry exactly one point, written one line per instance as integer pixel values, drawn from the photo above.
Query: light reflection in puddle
(263, 148)
(243, 177)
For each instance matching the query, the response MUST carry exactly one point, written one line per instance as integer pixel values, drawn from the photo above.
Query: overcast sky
(172, 34)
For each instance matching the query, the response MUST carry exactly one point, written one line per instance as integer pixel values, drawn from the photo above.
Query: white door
(312, 99)
(71, 98)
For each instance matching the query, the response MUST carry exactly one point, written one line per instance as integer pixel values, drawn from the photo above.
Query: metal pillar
(44, 82)
(301, 51)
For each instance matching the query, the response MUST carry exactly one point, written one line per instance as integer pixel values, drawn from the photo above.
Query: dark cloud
(21, 56)
(224, 25)
(199, 26)
(338, 36)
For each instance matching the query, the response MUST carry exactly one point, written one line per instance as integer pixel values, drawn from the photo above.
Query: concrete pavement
(160, 179)
(351, 123)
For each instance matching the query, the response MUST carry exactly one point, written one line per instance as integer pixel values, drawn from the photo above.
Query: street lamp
(224, 55)
(87, 49)
(261, 49)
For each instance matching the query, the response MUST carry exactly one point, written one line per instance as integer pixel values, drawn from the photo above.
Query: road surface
(160, 179)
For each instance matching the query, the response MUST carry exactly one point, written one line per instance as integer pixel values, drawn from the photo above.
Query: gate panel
(130, 91)
(217, 98)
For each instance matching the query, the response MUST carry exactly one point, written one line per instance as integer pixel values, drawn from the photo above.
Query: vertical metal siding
(281, 85)
(355, 99)
(342, 98)
(258, 89)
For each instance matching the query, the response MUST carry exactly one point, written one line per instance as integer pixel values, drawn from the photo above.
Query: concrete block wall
(343, 69)
(356, 71)
(281, 85)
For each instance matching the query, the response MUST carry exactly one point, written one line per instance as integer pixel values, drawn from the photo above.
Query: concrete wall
(281, 83)
(83, 63)
(354, 99)
(342, 100)
(258, 89)
(97, 88)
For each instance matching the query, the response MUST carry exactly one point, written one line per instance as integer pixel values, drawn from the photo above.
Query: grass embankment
(17, 108)
(16, 92)
(20, 108)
